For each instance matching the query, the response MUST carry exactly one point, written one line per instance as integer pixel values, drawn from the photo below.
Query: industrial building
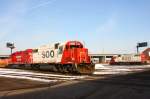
(101, 58)
(105, 58)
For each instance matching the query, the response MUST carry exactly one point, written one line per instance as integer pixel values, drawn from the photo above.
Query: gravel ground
(7, 84)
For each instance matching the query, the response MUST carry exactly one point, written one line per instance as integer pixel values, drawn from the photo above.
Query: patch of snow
(101, 66)
(31, 75)
(28, 78)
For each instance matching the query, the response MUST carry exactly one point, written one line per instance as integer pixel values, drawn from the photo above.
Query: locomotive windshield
(73, 46)
(76, 46)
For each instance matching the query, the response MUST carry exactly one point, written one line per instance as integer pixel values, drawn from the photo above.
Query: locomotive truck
(70, 56)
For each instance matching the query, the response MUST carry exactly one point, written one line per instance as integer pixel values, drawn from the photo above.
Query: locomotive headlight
(73, 59)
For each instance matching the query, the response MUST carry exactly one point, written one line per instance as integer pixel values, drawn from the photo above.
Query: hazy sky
(105, 26)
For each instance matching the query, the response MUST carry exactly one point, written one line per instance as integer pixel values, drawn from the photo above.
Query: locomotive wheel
(64, 69)
(70, 68)
(58, 68)
(61, 68)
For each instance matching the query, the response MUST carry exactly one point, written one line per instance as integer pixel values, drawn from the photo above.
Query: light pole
(142, 44)
(10, 45)
(137, 48)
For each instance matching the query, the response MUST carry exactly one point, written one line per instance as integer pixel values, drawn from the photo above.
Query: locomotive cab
(75, 55)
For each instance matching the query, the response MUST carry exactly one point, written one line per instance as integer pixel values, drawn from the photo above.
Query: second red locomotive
(132, 59)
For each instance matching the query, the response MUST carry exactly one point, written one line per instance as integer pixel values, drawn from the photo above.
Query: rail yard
(74, 49)
(66, 70)
(107, 82)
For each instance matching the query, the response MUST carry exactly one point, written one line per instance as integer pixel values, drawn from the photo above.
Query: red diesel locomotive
(69, 56)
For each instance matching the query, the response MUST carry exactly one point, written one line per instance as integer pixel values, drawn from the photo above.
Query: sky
(104, 26)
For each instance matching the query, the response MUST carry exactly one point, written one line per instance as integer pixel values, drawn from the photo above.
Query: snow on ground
(102, 69)
(28, 78)
(101, 66)
(31, 75)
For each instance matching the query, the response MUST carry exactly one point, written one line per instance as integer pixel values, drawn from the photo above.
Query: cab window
(35, 50)
(60, 50)
(56, 45)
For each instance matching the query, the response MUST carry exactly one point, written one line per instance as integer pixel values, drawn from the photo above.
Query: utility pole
(137, 49)
(142, 44)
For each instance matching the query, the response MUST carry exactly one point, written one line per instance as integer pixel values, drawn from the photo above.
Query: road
(117, 82)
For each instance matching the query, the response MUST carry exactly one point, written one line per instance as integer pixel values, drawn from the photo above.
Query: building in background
(101, 58)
